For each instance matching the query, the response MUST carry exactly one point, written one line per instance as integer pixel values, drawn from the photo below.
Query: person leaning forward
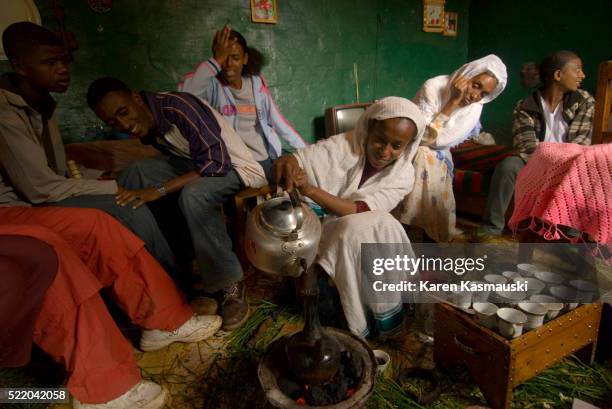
(205, 160)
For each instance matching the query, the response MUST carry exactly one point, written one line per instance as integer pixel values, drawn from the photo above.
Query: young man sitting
(205, 160)
(31, 148)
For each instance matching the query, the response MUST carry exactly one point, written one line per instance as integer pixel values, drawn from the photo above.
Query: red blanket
(474, 166)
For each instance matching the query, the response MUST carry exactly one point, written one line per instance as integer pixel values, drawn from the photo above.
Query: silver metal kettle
(280, 232)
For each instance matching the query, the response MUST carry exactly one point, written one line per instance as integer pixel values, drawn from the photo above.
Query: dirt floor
(221, 372)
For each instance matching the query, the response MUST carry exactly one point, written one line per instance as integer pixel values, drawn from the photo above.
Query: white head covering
(492, 65)
(435, 93)
(336, 164)
(387, 108)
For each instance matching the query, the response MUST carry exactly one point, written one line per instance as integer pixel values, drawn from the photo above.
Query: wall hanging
(451, 23)
(264, 11)
(433, 16)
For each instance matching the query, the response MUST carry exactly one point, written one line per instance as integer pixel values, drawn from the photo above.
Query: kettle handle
(296, 202)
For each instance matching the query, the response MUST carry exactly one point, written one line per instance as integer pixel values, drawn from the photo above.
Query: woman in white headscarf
(358, 177)
(451, 105)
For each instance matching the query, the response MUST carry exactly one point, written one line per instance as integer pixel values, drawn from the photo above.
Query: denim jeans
(201, 203)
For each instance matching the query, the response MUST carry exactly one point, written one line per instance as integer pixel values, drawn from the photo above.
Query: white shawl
(336, 164)
(435, 93)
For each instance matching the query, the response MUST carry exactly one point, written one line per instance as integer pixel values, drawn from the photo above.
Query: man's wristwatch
(161, 189)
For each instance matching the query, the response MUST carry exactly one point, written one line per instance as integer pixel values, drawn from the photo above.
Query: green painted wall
(311, 51)
(407, 56)
(520, 31)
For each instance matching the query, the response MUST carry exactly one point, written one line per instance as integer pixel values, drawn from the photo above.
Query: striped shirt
(195, 122)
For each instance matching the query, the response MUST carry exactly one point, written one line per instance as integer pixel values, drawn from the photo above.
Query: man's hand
(284, 171)
(222, 44)
(136, 197)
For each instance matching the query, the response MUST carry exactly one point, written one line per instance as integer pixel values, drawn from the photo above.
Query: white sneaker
(143, 395)
(197, 328)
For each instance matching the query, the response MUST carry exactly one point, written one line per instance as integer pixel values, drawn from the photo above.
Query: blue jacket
(206, 83)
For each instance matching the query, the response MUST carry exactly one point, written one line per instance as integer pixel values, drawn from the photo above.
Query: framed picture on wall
(264, 11)
(433, 16)
(451, 23)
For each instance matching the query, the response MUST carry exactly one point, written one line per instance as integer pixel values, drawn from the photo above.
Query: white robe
(435, 93)
(336, 166)
(340, 256)
(431, 203)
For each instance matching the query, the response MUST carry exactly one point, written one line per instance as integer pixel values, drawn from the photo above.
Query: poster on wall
(450, 24)
(433, 16)
(263, 11)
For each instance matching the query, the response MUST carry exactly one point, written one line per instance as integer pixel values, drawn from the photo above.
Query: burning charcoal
(316, 396)
(289, 388)
(337, 389)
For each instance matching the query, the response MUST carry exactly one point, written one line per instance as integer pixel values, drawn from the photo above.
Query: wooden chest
(499, 365)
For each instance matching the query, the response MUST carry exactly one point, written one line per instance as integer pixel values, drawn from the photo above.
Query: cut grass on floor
(554, 388)
(231, 380)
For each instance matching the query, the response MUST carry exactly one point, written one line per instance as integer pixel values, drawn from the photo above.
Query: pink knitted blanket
(566, 184)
